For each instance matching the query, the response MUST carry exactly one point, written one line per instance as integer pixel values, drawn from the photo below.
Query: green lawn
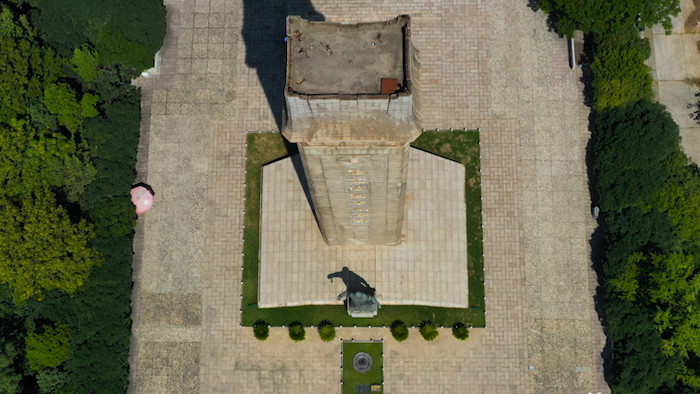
(461, 146)
(352, 377)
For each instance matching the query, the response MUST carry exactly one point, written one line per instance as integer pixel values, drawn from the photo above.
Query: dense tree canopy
(649, 194)
(9, 374)
(620, 74)
(85, 63)
(48, 348)
(26, 66)
(69, 129)
(680, 200)
(122, 31)
(634, 145)
(639, 364)
(41, 248)
(603, 16)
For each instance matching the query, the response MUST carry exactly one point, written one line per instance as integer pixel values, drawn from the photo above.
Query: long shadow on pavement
(263, 33)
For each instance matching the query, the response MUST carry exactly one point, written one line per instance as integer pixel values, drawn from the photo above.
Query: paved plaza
(488, 65)
(429, 267)
(675, 61)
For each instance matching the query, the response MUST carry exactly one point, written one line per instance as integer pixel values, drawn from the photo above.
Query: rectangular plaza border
(461, 146)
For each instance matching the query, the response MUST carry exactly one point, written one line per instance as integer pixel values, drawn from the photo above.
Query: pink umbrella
(142, 199)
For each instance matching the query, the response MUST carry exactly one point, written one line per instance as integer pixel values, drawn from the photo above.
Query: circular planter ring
(362, 362)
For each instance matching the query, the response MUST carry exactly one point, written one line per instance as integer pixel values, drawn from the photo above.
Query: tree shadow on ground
(597, 240)
(263, 33)
(597, 244)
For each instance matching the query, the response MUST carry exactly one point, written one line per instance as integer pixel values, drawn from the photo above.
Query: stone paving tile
(675, 63)
(429, 267)
(172, 366)
(491, 65)
(179, 108)
(565, 338)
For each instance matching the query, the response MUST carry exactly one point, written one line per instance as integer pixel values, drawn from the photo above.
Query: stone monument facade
(351, 101)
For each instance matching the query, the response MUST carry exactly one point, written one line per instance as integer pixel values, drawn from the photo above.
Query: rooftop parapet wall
(377, 121)
(334, 82)
(325, 58)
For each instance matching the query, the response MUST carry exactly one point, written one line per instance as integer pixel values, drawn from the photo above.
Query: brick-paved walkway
(491, 65)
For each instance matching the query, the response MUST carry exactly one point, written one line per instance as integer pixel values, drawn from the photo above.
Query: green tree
(634, 147)
(627, 284)
(85, 63)
(638, 362)
(602, 16)
(122, 31)
(99, 315)
(668, 287)
(460, 331)
(326, 331)
(619, 73)
(680, 200)
(41, 249)
(296, 331)
(674, 288)
(399, 330)
(51, 380)
(49, 348)
(37, 159)
(635, 229)
(60, 99)
(114, 47)
(428, 331)
(9, 376)
(261, 330)
(26, 66)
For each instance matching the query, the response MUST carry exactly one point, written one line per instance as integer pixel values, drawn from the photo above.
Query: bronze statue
(359, 296)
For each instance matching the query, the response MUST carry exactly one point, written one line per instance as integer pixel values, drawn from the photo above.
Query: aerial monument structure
(358, 196)
(351, 107)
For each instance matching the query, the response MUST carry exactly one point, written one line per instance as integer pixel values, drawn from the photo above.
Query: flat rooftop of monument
(335, 58)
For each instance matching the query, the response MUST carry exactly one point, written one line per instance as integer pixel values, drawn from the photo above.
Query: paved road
(491, 65)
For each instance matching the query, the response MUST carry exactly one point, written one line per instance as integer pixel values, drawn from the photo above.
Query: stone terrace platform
(429, 267)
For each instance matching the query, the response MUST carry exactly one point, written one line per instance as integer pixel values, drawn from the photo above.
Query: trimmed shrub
(296, 331)
(261, 330)
(460, 331)
(399, 330)
(428, 331)
(326, 331)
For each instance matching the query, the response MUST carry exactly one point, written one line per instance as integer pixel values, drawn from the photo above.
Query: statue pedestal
(362, 312)
(362, 305)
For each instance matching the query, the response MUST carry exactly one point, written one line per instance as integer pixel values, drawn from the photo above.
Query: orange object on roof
(389, 85)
